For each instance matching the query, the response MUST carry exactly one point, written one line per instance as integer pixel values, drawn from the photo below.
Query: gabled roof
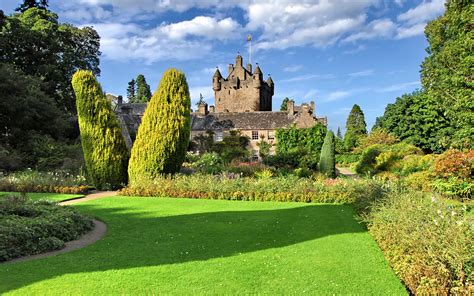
(241, 120)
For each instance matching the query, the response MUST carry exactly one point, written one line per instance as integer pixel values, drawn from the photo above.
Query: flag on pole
(249, 38)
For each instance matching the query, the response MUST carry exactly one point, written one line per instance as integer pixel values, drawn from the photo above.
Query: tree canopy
(355, 127)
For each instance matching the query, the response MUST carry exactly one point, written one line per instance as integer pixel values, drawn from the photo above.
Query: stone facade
(242, 90)
(243, 102)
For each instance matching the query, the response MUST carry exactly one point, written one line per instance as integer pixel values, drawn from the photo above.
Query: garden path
(348, 173)
(88, 197)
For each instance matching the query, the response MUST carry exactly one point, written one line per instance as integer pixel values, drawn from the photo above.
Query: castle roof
(257, 70)
(217, 73)
(270, 80)
(241, 120)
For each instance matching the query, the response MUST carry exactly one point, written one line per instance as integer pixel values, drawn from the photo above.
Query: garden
(218, 222)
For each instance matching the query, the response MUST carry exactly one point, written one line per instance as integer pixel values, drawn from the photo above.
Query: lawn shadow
(135, 240)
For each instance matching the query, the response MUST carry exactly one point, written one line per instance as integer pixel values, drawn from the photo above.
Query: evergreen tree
(103, 145)
(163, 136)
(27, 4)
(446, 72)
(339, 134)
(355, 127)
(327, 160)
(143, 93)
(284, 104)
(131, 91)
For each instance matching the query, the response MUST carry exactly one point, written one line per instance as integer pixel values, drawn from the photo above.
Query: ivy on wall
(309, 139)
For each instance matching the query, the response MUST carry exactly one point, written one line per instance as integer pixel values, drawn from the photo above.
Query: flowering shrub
(289, 188)
(33, 181)
(455, 163)
(427, 242)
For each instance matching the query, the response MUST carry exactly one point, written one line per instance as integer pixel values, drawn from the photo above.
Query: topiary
(163, 135)
(105, 152)
(327, 161)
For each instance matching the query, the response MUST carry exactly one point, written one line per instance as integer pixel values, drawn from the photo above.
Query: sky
(336, 53)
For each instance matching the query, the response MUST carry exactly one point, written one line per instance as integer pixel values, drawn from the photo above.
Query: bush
(208, 163)
(366, 165)
(376, 136)
(428, 243)
(307, 139)
(105, 152)
(33, 227)
(288, 188)
(327, 162)
(347, 159)
(455, 164)
(163, 135)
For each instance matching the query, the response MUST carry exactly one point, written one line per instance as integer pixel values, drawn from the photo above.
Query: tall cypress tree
(327, 160)
(143, 93)
(355, 127)
(103, 145)
(163, 135)
(131, 91)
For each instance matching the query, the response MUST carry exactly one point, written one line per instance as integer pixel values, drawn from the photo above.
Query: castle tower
(242, 90)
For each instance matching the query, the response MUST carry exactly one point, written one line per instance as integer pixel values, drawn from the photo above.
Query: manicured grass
(185, 246)
(49, 196)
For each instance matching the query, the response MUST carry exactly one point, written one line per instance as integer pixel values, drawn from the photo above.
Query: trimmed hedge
(163, 135)
(105, 152)
(327, 162)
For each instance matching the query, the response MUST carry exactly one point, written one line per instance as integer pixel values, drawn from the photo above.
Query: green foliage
(27, 4)
(418, 119)
(105, 153)
(377, 136)
(347, 159)
(309, 139)
(232, 147)
(131, 96)
(163, 135)
(143, 90)
(32, 227)
(356, 128)
(327, 162)
(426, 241)
(37, 44)
(284, 104)
(208, 163)
(446, 73)
(264, 148)
(366, 164)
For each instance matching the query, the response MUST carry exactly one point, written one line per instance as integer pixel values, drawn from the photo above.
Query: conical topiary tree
(327, 160)
(103, 145)
(163, 136)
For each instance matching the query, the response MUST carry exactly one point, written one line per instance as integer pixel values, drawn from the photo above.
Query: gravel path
(348, 173)
(99, 230)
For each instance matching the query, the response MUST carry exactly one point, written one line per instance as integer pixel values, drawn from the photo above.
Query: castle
(242, 91)
(243, 102)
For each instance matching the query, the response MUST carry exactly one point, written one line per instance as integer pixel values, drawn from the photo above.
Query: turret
(239, 61)
(249, 68)
(216, 80)
(231, 68)
(271, 84)
(257, 77)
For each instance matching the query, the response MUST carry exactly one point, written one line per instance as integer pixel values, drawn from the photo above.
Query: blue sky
(334, 52)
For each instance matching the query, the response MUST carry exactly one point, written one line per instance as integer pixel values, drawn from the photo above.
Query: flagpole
(249, 39)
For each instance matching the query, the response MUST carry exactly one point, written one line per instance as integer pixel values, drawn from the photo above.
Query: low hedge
(32, 227)
(290, 188)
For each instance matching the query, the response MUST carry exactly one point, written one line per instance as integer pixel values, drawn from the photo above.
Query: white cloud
(423, 12)
(381, 28)
(337, 95)
(308, 77)
(293, 68)
(206, 92)
(203, 26)
(399, 87)
(361, 73)
(406, 32)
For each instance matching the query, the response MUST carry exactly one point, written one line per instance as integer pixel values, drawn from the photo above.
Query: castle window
(254, 135)
(271, 135)
(218, 136)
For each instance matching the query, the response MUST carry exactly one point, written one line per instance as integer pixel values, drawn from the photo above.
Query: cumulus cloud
(423, 12)
(337, 95)
(203, 26)
(293, 68)
(382, 28)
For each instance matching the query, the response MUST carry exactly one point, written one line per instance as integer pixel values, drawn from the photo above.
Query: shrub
(347, 159)
(33, 181)
(366, 165)
(209, 163)
(376, 136)
(428, 243)
(33, 227)
(413, 163)
(455, 163)
(232, 147)
(105, 152)
(308, 139)
(163, 135)
(327, 162)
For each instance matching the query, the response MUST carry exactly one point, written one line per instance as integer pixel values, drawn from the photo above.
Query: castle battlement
(242, 90)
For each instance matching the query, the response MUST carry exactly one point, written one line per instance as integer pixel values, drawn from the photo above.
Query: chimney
(202, 109)
(119, 100)
(212, 109)
(249, 68)
(290, 107)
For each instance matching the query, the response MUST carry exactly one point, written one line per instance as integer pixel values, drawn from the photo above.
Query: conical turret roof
(257, 70)
(270, 80)
(217, 73)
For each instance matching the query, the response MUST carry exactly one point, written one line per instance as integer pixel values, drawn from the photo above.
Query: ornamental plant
(163, 135)
(327, 161)
(103, 145)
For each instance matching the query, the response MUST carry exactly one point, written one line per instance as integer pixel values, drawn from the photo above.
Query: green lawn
(185, 246)
(49, 196)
